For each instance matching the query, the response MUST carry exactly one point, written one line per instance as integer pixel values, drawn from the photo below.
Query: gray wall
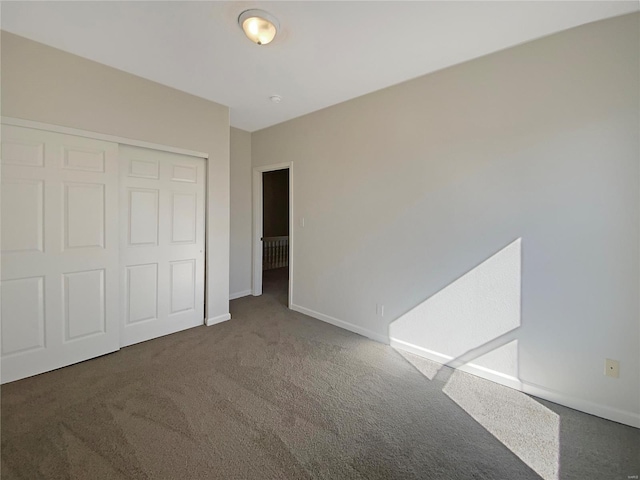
(47, 85)
(275, 212)
(492, 206)
(240, 255)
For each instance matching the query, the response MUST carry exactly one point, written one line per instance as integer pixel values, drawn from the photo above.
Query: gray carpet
(274, 394)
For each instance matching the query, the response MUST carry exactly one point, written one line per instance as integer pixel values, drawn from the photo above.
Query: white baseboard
(420, 351)
(477, 370)
(599, 410)
(244, 293)
(219, 319)
(342, 324)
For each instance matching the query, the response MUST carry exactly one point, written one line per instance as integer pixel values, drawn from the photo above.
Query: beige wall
(491, 207)
(240, 256)
(47, 85)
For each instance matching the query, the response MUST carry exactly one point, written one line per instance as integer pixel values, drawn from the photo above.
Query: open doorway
(273, 232)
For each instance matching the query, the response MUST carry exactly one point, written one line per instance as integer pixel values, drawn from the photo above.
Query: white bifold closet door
(59, 282)
(162, 211)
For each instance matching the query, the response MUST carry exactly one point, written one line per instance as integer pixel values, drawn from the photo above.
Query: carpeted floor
(273, 394)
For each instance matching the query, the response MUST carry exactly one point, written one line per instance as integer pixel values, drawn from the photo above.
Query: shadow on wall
(472, 325)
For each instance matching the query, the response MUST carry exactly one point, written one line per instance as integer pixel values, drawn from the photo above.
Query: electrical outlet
(612, 368)
(379, 309)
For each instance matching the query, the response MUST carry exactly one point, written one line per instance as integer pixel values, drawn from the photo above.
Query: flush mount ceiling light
(259, 26)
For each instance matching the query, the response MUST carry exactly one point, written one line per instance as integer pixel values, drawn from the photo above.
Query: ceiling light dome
(259, 26)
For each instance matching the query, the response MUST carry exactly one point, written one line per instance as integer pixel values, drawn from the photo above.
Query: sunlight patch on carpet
(527, 428)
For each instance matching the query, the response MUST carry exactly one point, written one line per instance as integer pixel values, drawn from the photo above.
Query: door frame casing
(256, 280)
(49, 127)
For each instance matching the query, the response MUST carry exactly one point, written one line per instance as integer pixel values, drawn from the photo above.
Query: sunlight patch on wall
(476, 314)
(503, 359)
(524, 426)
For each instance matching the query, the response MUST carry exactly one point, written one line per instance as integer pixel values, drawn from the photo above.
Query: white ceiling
(326, 52)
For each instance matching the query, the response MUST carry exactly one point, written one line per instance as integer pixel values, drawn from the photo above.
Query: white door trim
(257, 226)
(18, 122)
